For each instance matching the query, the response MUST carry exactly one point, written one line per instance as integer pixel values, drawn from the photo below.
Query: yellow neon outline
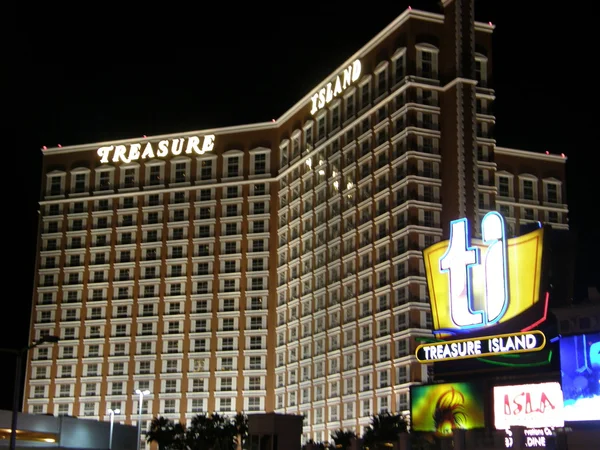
(482, 338)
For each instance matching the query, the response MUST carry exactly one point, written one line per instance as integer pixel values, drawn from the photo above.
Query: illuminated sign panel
(442, 408)
(475, 285)
(485, 294)
(580, 376)
(529, 405)
(327, 93)
(480, 347)
(127, 153)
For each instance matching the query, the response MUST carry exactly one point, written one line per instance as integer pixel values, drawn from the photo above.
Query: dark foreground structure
(49, 432)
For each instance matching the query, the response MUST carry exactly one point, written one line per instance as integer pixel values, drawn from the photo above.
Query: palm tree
(162, 431)
(342, 439)
(384, 429)
(240, 422)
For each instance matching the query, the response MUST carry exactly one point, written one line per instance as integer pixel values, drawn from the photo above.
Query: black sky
(83, 76)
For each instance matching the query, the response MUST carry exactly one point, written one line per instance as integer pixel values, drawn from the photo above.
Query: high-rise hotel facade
(277, 266)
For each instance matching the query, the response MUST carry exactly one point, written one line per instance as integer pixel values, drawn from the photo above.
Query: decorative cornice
(530, 154)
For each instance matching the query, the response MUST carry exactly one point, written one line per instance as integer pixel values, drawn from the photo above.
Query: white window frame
(483, 60)
(535, 181)
(233, 154)
(511, 184)
(99, 170)
(382, 67)
(558, 183)
(284, 149)
(260, 151)
(399, 54)
(122, 170)
(424, 47)
(213, 169)
(49, 176)
(74, 173)
(147, 166)
(173, 164)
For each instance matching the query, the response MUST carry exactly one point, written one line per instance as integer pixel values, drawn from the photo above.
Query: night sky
(82, 76)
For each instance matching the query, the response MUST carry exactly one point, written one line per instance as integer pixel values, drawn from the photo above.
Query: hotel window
(553, 217)
(552, 192)
(232, 168)
(427, 60)
(365, 94)
(335, 116)
(381, 79)
(206, 169)
(308, 135)
(55, 184)
(80, 182)
(129, 177)
(321, 127)
(528, 189)
(154, 175)
(283, 153)
(349, 101)
(180, 172)
(481, 69)
(398, 64)
(104, 180)
(504, 186)
(528, 214)
(260, 163)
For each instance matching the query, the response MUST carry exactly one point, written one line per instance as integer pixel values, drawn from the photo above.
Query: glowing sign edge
(482, 355)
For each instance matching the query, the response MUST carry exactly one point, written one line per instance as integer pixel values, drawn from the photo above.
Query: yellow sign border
(482, 355)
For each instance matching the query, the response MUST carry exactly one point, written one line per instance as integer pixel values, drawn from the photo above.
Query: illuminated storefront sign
(147, 150)
(529, 405)
(476, 285)
(480, 347)
(335, 87)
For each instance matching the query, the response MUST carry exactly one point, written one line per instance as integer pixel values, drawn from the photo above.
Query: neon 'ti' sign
(458, 262)
(477, 283)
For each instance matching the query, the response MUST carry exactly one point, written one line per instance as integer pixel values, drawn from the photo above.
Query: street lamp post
(139, 433)
(19, 354)
(111, 413)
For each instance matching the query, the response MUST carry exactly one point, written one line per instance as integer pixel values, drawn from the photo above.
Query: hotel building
(277, 266)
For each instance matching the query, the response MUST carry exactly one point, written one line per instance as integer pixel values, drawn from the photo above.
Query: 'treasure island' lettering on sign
(334, 88)
(147, 150)
(531, 341)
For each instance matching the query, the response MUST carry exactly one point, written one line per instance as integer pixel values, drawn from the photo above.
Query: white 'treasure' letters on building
(177, 146)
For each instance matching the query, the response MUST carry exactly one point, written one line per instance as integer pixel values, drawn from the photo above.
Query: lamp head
(140, 392)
